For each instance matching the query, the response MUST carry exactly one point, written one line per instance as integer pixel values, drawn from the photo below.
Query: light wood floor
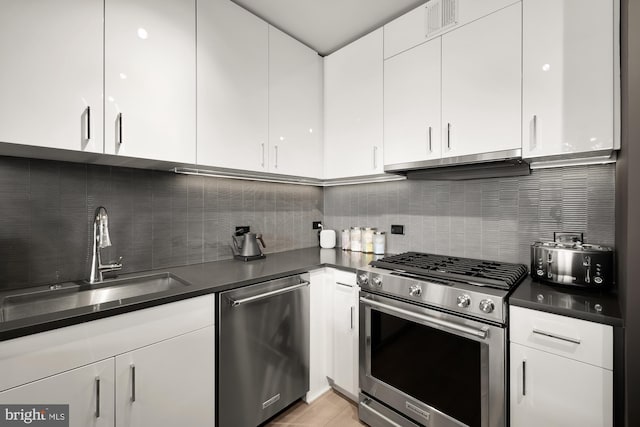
(330, 409)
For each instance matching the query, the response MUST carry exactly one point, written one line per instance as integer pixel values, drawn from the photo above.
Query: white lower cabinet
(320, 337)
(151, 367)
(561, 371)
(345, 333)
(551, 390)
(334, 333)
(87, 390)
(162, 386)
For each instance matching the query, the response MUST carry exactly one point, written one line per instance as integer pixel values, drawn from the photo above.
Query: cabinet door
(51, 75)
(481, 85)
(232, 87)
(353, 90)
(90, 401)
(167, 384)
(345, 338)
(568, 83)
(550, 390)
(412, 105)
(410, 29)
(150, 86)
(295, 107)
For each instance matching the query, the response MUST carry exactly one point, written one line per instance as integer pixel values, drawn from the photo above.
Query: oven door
(438, 369)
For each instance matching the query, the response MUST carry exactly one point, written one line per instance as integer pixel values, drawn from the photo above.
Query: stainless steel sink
(72, 295)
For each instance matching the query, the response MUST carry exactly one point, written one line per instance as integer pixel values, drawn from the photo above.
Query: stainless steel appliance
(263, 350)
(573, 263)
(433, 340)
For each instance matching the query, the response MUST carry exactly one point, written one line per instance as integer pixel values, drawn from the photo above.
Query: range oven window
(440, 369)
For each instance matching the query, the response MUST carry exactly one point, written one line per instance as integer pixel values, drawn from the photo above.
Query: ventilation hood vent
(497, 164)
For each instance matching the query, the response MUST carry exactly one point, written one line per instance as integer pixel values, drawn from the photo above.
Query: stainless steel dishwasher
(263, 350)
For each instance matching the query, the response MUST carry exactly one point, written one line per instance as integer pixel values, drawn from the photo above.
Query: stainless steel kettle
(246, 245)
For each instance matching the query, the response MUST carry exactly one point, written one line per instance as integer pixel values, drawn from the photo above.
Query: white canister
(328, 239)
(379, 242)
(367, 240)
(346, 240)
(356, 239)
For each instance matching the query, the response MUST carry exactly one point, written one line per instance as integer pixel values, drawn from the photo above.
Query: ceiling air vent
(440, 15)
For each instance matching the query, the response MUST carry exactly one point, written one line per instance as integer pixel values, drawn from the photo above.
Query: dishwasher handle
(237, 302)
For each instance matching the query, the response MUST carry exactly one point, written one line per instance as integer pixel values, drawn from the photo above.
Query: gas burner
(493, 274)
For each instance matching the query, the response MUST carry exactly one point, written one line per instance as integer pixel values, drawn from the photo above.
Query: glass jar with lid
(367, 240)
(379, 242)
(356, 239)
(346, 240)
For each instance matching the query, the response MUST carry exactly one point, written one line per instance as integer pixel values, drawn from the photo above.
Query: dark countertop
(567, 301)
(204, 279)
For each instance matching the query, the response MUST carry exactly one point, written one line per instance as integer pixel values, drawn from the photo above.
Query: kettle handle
(259, 237)
(235, 243)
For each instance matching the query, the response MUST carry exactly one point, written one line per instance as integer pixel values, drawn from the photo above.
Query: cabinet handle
(430, 149)
(534, 137)
(556, 336)
(448, 136)
(262, 154)
(97, 397)
(524, 377)
(276, 164)
(133, 382)
(375, 157)
(352, 316)
(88, 123)
(119, 128)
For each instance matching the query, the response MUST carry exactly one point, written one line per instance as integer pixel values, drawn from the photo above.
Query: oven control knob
(376, 281)
(363, 279)
(415, 290)
(487, 305)
(464, 301)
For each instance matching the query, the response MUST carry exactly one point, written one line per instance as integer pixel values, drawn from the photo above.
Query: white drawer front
(36, 356)
(576, 339)
(344, 277)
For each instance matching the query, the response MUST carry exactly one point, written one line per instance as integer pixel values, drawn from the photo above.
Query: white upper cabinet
(481, 85)
(51, 73)
(233, 81)
(412, 104)
(410, 29)
(568, 77)
(295, 107)
(353, 91)
(150, 72)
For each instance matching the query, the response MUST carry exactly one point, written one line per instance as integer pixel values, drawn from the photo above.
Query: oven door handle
(482, 333)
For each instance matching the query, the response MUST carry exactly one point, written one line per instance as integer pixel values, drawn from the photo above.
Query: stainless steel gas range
(433, 340)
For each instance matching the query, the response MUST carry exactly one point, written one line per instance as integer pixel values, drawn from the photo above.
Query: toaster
(573, 264)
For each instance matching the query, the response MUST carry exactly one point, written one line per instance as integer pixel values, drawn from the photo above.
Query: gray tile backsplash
(157, 219)
(491, 219)
(160, 219)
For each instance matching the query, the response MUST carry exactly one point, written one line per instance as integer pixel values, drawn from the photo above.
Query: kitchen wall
(628, 206)
(490, 219)
(157, 219)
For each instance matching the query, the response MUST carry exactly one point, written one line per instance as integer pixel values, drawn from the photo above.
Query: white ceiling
(327, 25)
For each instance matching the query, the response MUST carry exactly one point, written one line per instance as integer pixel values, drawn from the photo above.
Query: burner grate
(487, 273)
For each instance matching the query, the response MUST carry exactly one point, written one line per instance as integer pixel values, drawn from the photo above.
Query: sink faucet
(101, 240)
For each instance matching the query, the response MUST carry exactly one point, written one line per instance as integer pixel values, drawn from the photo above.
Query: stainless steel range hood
(496, 164)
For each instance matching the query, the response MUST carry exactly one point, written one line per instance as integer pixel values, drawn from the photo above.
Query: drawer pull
(524, 377)
(556, 336)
